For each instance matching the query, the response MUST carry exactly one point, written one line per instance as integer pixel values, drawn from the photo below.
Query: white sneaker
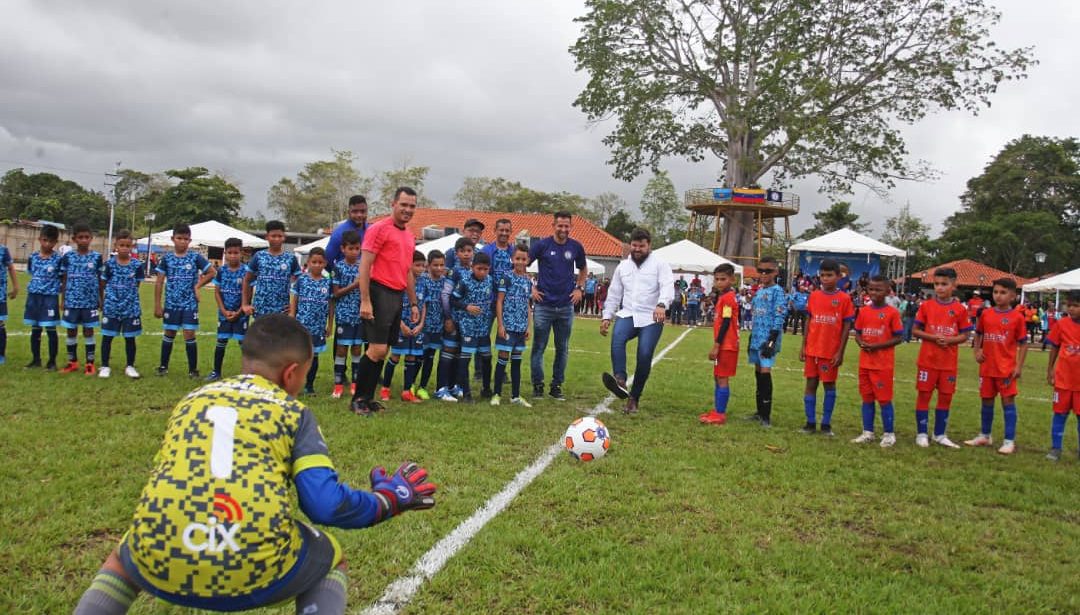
(945, 441)
(922, 440)
(1008, 447)
(104, 372)
(865, 437)
(888, 440)
(520, 401)
(496, 400)
(131, 372)
(980, 440)
(446, 396)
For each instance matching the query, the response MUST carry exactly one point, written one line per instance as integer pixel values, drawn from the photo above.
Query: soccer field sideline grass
(677, 518)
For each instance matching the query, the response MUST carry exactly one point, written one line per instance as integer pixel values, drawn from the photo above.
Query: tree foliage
(198, 196)
(483, 193)
(604, 206)
(836, 217)
(137, 194)
(620, 225)
(45, 196)
(788, 87)
(318, 197)
(499, 194)
(907, 232)
(661, 210)
(387, 182)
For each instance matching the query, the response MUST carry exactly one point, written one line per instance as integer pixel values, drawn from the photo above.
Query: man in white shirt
(641, 290)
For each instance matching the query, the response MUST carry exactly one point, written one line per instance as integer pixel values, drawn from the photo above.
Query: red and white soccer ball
(587, 439)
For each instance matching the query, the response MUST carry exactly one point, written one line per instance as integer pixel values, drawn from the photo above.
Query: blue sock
(941, 422)
(810, 404)
(828, 406)
(887, 416)
(987, 418)
(868, 416)
(1010, 421)
(720, 398)
(922, 418)
(388, 372)
(1057, 429)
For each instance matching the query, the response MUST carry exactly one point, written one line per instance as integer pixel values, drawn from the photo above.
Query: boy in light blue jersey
(410, 341)
(470, 297)
(514, 316)
(121, 311)
(7, 265)
(181, 274)
(229, 294)
(436, 288)
(769, 307)
(451, 346)
(310, 304)
(349, 328)
(42, 309)
(270, 275)
(80, 270)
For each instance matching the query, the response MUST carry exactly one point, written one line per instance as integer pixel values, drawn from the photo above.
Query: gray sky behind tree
(476, 88)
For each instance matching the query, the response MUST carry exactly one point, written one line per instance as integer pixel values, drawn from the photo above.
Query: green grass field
(678, 517)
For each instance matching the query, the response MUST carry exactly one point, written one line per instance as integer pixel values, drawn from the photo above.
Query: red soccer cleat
(713, 418)
(338, 390)
(71, 368)
(409, 396)
(90, 369)
(352, 389)
(384, 394)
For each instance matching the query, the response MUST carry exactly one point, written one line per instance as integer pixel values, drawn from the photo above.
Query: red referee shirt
(393, 248)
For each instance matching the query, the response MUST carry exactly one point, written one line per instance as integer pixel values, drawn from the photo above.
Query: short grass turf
(678, 517)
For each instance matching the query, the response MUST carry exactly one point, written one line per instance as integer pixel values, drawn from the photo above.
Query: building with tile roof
(970, 275)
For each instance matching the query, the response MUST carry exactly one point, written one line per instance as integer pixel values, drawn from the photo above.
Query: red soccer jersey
(1066, 337)
(876, 325)
(973, 306)
(393, 248)
(945, 319)
(1001, 333)
(727, 306)
(828, 311)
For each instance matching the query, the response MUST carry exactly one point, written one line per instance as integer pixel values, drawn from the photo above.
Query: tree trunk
(737, 234)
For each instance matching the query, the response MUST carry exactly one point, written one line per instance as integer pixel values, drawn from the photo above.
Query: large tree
(137, 194)
(404, 174)
(319, 195)
(909, 233)
(836, 217)
(198, 196)
(483, 193)
(788, 87)
(45, 196)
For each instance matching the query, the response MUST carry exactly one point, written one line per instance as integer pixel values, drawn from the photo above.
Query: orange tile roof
(595, 240)
(970, 273)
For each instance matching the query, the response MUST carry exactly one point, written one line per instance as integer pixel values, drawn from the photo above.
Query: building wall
(22, 240)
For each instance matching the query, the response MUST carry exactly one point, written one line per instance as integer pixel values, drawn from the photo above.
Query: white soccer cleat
(496, 400)
(104, 372)
(922, 440)
(980, 440)
(520, 401)
(131, 372)
(1008, 447)
(944, 440)
(864, 438)
(888, 440)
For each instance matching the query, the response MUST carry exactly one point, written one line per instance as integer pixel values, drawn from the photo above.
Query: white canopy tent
(442, 244)
(846, 242)
(304, 249)
(210, 234)
(685, 256)
(1070, 280)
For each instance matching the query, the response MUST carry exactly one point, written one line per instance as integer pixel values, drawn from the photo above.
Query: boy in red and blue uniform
(831, 316)
(878, 329)
(725, 349)
(1063, 371)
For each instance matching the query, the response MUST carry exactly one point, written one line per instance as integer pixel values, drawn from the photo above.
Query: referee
(385, 273)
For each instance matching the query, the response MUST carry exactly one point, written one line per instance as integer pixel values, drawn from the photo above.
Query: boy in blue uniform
(42, 309)
(270, 274)
(349, 329)
(410, 341)
(311, 306)
(80, 270)
(769, 307)
(513, 313)
(470, 296)
(121, 311)
(181, 274)
(222, 482)
(448, 358)
(229, 294)
(436, 288)
(5, 294)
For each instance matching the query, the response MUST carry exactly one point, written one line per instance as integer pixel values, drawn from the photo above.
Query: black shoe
(617, 386)
(33, 364)
(826, 430)
(194, 374)
(486, 393)
(756, 418)
(213, 376)
(359, 406)
(631, 406)
(50, 366)
(309, 392)
(162, 370)
(766, 424)
(538, 391)
(809, 429)
(467, 399)
(555, 392)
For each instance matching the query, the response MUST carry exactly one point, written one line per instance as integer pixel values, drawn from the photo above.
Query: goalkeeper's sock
(327, 596)
(108, 595)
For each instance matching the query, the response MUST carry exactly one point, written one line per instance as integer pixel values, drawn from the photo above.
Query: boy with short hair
(436, 288)
(878, 330)
(1000, 350)
(221, 483)
(229, 294)
(410, 341)
(514, 317)
(725, 348)
(830, 315)
(272, 272)
(42, 309)
(470, 296)
(349, 329)
(1063, 371)
(460, 270)
(942, 324)
(121, 310)
(310, 304)
(80, 270)
(768, 311)
(181, 274)
(5, 294)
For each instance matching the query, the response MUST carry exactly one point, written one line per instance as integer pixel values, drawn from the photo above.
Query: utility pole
(115, 185)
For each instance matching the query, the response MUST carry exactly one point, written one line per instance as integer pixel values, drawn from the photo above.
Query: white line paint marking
(399, 593)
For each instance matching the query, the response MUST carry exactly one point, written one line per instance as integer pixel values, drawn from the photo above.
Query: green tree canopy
(45, 196)
(620, 225)
(836, 217)
(197, 197)
(318, 197)
(387, 183)
(661, 210)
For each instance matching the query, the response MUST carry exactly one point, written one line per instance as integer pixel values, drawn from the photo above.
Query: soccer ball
(587, 439)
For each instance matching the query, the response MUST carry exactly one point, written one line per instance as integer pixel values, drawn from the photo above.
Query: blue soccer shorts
(174, 320)
(41, 310)
(73, 318)
(3, 311)
(433, 340)
(232, 329)
(514, 341)
(349, 334)
(121, 326)
(760, 361)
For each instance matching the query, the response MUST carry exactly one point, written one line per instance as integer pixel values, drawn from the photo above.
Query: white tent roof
(442, 244)
(304, 249)
(846, 241)
(1070, 280)
(211, 234)
(685, 256)
(591, 266)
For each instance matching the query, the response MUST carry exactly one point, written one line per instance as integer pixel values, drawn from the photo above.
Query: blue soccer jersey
(44, 274)
(82, 273)
(471, 291)
(5, 260)
(769, 307)
(181, 275)
(122, 288)
(406, 307)
(272, 276)
(230, 283)
(347, 308)
(518, 290)
(435, 291)
(312, 302)
(502, 260)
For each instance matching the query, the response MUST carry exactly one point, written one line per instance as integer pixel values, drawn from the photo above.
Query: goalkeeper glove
(407, 489)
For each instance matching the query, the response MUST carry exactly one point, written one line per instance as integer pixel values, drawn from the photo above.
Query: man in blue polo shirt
(556, 293)
(357, 221)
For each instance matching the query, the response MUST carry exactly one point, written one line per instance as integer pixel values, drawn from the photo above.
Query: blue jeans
(546, 318)
(622, 332)
(908, 322)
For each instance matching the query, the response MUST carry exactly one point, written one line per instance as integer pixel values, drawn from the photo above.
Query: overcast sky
(255, 89)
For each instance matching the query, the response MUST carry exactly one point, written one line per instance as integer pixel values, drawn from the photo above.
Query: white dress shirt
(636, 290)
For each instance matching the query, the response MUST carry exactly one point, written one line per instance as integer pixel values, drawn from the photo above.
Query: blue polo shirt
(556, 277)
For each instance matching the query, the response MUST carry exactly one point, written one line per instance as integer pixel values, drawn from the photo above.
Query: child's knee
(503, 355)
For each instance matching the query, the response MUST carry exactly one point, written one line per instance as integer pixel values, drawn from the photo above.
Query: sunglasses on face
(766, 271)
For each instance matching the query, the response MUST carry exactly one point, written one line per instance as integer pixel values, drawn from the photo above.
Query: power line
(42, 166)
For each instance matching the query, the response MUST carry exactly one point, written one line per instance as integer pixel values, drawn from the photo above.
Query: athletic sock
(888, 414)
(922, 420)
(54, 343)
(721, 395)
(987, 414)
(500, 374)
(35, 343)
(462, 376)
(192, 350)
(868, 416)
(1010, 421)
(941, 421)
(327, 596)
(72, 343)
(166, 350)
(515, 375)
(91, 348)
(827, 406)
(129, 349)
(412, 366)
(357, 368)
(757, 392)
(766, 396)
(446, 371)
(362, 371)
(810, 407)
(425, 368)
(219, 354)
(313, 372)
(339, 370)
(106, 349)
(388, 371)
(485, 371)
(108, 594)
(3, 340)
(1057, 429)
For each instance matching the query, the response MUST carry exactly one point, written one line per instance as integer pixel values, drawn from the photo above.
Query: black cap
(473, 222)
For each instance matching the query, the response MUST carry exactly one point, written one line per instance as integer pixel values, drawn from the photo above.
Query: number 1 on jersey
(221, 447)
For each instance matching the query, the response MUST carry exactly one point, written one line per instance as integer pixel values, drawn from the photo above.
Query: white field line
(399, 593)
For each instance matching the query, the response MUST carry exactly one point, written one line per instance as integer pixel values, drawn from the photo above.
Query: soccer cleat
(375, 406)
(617, 386)
(162, 370)
(809, 429)
(131, 372)
(360, 407)
(444, 394)
(212, 376)
(713, 417)
(486, 393)
(1054, 454)
(538, 391)
(631, 405)
(766, 423)
(467, 398)
(944, 440)
(980, 440)
(33, 364)
(50, 366)
(309, 392)
(888, 440)
(826, 430)
(456, 391)
(72, 367)
(352, 389)
(90, 370)
(756, 418)
(520, 401)
(384, 394)
(194, 374)
(495, 400)
(408, 396)
(555, 392)
(421, 393)
(104, 372)
(864, 438)
(338, 390)
(922, 440)
(1008, 447)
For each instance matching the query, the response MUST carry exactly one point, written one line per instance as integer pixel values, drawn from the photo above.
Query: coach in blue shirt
(357, 221)
(556, 293)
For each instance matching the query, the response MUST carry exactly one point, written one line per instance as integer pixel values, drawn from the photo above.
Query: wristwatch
(662, 305)
(580, 288)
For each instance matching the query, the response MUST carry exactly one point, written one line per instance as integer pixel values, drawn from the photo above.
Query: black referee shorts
(384, 327)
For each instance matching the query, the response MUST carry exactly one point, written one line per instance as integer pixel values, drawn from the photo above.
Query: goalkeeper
(769, 311)
(213, 528)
